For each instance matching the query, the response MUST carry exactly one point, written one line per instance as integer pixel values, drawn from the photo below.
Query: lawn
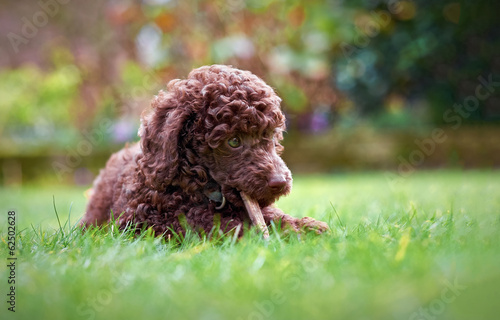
(427, 248)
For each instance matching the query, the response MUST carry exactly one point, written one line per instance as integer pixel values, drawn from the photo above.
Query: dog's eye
(234, 142)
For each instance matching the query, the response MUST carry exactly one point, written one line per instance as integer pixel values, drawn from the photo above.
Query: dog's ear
(159, 132)
(164, 162)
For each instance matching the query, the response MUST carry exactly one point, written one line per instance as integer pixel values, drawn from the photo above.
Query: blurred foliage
(428, 54)
(37, 105)
(367, 147)
(399, 59)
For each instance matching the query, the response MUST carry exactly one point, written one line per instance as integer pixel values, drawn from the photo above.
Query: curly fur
(165, 181)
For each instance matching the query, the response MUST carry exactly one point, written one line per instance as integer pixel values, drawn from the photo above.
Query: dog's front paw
(310, 224)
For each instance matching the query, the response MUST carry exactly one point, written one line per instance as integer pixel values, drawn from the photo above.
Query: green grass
(428, 250)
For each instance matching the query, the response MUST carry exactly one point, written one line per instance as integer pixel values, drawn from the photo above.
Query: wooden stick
(255, 214)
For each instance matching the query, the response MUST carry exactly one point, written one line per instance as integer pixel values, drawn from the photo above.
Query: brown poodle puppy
(207, 139)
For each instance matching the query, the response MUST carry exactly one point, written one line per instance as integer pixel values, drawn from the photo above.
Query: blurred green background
(387, 85)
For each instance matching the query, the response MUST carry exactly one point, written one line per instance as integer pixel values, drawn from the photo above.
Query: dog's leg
(108, 184)
(99, 205)
(272, 213)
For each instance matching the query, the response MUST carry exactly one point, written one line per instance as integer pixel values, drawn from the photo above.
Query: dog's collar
(217, 196)
(212, 192)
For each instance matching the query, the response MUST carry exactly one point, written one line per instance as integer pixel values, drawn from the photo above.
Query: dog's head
(220, 125)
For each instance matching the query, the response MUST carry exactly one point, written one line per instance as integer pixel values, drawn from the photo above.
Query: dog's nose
(277, 182)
